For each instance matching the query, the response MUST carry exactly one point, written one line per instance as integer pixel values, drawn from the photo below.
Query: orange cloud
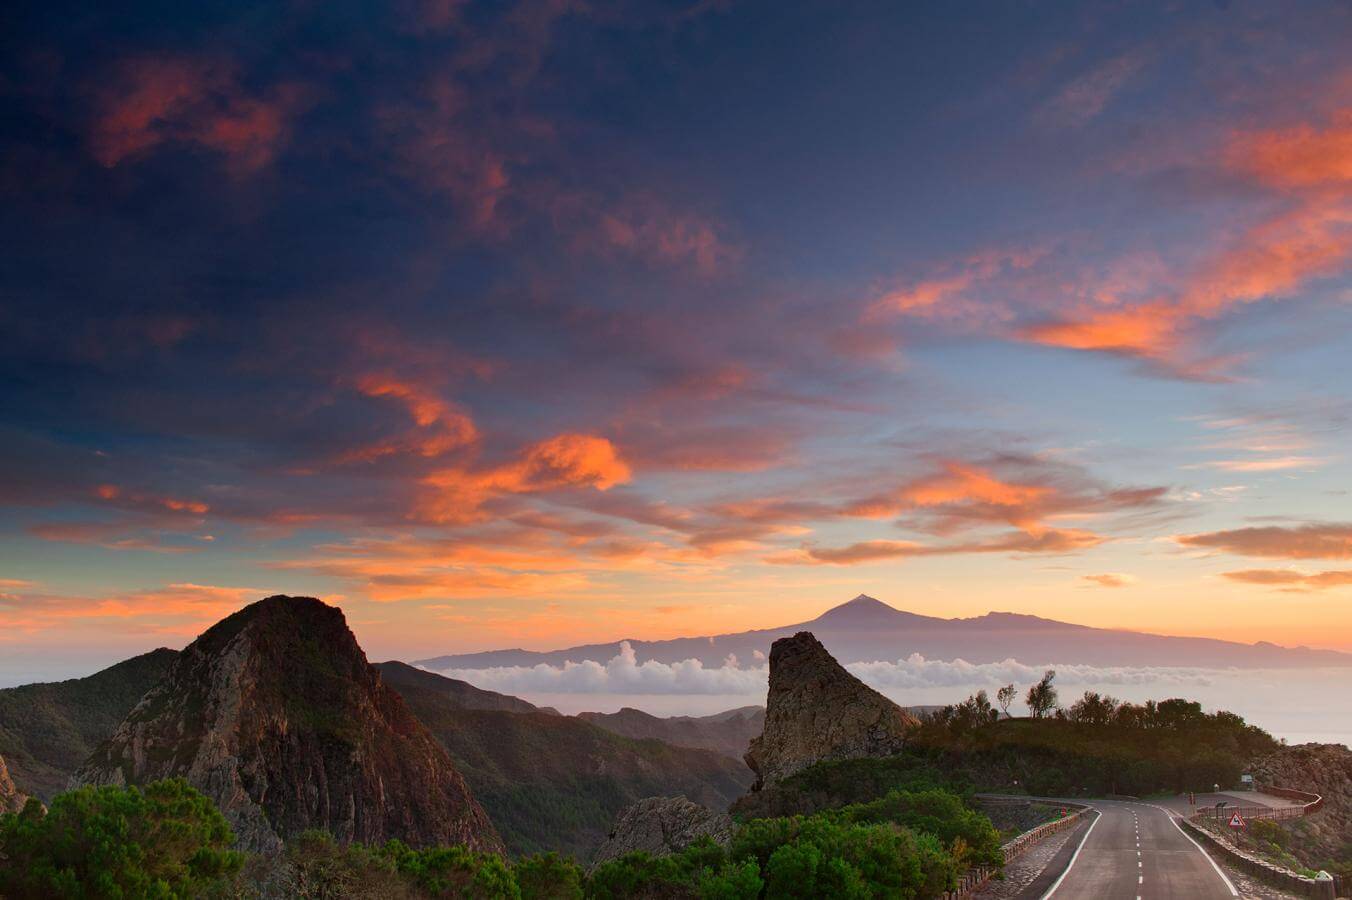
(964, 491)
(179, 609)
(151, 101)
(563, 461)
(1052, 541)
(1292, 578)
(441, 426)
(1299, 158)
(945, 296)
(1109, 580)
(1310, 238)
(492, 561)
(1313, 541)
(117, 496)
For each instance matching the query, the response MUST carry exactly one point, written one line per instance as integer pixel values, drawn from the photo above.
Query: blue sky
(532, 323)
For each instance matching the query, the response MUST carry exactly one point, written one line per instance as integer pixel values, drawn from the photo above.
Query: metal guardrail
(1309, 803)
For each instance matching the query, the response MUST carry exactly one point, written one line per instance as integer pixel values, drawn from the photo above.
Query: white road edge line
(1224, 877)
(1074, 856)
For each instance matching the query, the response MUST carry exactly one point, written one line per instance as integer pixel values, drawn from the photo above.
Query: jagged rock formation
(1320, 839)
(48, 730)
(662, 826)
(276, 715)
(728, 732)
(11, 800)
(816, 711)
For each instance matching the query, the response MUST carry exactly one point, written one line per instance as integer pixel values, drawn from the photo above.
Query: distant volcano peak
(862, 610)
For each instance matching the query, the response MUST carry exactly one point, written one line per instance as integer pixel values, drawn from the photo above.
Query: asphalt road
(1135, 851)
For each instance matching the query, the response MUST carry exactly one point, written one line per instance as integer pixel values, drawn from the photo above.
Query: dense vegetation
(169, 841)
(1096, 746)
(48, 730)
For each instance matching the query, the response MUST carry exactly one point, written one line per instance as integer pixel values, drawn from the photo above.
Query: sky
(533, 324)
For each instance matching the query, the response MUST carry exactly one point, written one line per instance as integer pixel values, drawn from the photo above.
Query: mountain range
(276, 713)
(868, 630)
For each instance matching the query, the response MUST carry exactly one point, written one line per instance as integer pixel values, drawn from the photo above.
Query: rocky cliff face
(1319, 840)
(661, 826)
(817, 711)
(276, 715)
(10, 798)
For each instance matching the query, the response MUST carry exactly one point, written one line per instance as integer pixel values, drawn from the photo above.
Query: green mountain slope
(48, 730)
(552, 782)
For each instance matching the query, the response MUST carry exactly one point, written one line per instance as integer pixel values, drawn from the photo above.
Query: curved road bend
(1136, 850)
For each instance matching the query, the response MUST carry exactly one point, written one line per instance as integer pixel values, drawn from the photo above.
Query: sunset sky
(541, 323)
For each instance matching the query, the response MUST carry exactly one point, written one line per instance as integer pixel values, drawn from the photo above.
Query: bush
(548, 876)
(455, 871)
(638, 875)
(941, 814)
(165, 841)
(316, 866)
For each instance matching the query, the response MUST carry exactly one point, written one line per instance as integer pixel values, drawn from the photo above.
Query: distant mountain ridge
(868, 630)
(729, 732)
(552, 782)
(47, 730)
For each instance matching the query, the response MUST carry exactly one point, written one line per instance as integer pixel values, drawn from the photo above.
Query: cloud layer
(624, 674)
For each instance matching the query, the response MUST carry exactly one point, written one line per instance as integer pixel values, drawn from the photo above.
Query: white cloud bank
(624, 674)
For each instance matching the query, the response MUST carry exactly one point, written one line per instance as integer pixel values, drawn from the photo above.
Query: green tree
(455, 871)
(1005, 696)
(1093, 709)
(733, 881)
(548, 876)
(166, 841)
(1041, 697)
(318, 868)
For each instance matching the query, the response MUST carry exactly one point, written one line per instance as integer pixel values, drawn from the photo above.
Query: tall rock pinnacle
(276, 715)
(817, 711)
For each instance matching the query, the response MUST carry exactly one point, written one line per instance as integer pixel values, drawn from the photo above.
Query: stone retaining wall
(1013, 848)
(1271, 873)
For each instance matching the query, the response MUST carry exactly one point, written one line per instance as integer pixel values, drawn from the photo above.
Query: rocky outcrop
(1323, 769)
(661, 826)
(276, 715)
(11, 800)
(816, 711)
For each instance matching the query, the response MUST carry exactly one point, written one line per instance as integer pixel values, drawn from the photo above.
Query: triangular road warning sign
(1236, 821)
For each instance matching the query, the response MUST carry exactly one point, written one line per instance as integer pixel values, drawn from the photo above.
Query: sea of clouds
(624, 674)
(1296, 704)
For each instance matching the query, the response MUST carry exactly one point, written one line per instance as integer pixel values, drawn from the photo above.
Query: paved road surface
(1135, 850)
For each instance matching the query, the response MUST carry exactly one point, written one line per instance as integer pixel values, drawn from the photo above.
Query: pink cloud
(151, 101)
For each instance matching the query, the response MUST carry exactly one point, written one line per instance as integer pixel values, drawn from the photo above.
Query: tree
(1041, 697)
(1005, 696)
(1093, 709)
(548, 876)
(166, 841)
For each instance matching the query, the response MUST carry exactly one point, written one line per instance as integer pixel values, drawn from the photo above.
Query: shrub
(455, 871)
(548, 876)
(165, 841)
